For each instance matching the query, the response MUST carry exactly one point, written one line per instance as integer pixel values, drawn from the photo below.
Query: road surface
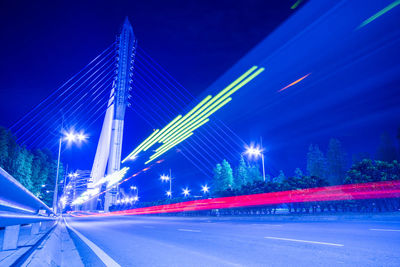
(191, 241)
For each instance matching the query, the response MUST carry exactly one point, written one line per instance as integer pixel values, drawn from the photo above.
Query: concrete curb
(56, 250)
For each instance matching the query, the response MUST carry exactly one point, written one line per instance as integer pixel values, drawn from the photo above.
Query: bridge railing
(18, 206)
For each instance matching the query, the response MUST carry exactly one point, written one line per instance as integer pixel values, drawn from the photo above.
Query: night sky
(351, 92)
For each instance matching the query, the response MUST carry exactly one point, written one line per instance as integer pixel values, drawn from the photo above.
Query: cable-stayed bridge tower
(108, 153)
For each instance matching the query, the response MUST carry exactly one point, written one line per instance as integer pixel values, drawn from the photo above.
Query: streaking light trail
(295, 5)
(378, 14)
(374, 190)
(293, 83)
(181, 128)
(96, 192)
(111, 180)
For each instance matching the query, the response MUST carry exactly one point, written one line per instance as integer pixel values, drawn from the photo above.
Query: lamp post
(70, 137)
(133, 187)
(256, 152)
(165, 178)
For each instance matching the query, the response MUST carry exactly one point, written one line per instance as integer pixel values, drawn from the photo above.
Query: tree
(40, 171)
(240, 177)
(298, 173)
(23, 167)
(3, 146)
(226, 176)
(316, 162)
(31, 169)
(280, 178)
(254, 174)
(386, 149)
(336, 162)
(373, 171)
(47, 192)
(216, 185)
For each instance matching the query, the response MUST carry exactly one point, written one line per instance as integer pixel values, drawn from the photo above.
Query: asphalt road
(184, 241)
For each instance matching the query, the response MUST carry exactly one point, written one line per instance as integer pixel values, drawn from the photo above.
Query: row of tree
(322, 170)
(36, 170)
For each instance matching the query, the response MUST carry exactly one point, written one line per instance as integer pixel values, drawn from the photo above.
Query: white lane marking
(386, 230)
(189, 230)
(261, 224)
(304, 241)
(107, 260)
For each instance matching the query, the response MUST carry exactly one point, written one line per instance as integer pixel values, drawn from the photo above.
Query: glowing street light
(75, 137)
(205, 189)
(73, 175)
(169, 194)
(70, 137)
(253, 151)
(164, 178)
(135, 198)
(256, 152)
(81, 137)
(186, 192)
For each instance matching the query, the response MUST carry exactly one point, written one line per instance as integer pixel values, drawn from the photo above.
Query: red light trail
(293, 83)
(374, 190)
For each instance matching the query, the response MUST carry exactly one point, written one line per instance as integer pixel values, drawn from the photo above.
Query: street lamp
(136, 197)
(69, 137)
(256, 152)
(165, 178)
(205, 189)
(186, 192)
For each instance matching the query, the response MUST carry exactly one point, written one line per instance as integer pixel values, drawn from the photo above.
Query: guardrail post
(35, 228)
(44, 226)
(11, 235)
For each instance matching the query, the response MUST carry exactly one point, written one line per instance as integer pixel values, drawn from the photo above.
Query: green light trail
(378, 14)
(244, 75)
(162, 138)
(228, 90)
(217, 105)
(184, 131)
(251, 77)
(157, 137)
(140, 146)
(296, 4)
(181, 128)
(172, 145)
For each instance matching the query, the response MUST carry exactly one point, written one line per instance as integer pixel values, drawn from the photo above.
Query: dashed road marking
(189, 230)
(304, 241)
(261, 224)
(386, 230)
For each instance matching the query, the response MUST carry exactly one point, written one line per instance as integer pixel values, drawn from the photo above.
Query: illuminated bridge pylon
(108, 153)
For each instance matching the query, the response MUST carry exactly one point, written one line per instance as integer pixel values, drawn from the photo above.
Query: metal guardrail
(19, 206)
(15, 197)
